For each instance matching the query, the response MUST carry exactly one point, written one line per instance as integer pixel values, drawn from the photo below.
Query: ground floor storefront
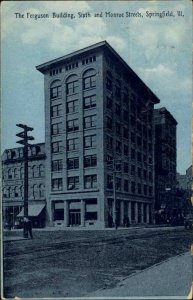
(13, 215)
(92, 212)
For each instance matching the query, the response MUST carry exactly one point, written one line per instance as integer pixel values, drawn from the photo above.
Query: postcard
(96, 149)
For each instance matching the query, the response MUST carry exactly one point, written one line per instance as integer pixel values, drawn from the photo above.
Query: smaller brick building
(13, 185)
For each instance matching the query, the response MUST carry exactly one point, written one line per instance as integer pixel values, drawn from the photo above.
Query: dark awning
(33, 210)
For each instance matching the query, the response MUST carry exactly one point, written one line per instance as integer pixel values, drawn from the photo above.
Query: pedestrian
(28, 227)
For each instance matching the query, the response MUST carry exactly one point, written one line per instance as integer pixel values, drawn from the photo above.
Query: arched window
(16, 191)
(42, 190)
(35, 191)
(10, 173)
(56, 89)
(13, 154)
(21, 191)
(9, 192)
(5, 192)
(34, 173)
(89, 79)
(8, 154)
(20, 152)
(72, 85)
(16, 173)
(41, 170)
(21, 173)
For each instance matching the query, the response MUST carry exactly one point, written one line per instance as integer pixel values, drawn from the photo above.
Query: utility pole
(24, 142)
(115, 165)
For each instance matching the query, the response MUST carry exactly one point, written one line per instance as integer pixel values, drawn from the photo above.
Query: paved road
(172, 278)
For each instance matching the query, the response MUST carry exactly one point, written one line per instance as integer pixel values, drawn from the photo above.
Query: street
(78, 263)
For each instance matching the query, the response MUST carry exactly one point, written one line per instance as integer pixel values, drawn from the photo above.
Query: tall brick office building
(98, 113)
(165, 162)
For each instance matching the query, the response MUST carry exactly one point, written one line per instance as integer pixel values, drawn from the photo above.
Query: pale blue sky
(159, 50)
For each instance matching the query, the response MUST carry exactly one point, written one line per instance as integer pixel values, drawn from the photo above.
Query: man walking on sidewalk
(28, 227)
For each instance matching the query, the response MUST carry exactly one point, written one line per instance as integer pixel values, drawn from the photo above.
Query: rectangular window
(72, 87)
(73, 183)
(56, 147)
(145, 189)
(126, 167)
(90, 121)
(118, 184)
(109, 142)
(133, 187)
(56, 92)
(109, 103)
(90, 141)
(56, 128)
(118, 128)
(56, 111)
(109, 181)
(73, 163)
(91, 216)
(57, 165)
(109, 123)
(139, 188)
(118, 147)
(72, 125)
(138, 156)
(126, 150)
(109, 84)
(90, 102)
(133, 170)
(72, 144)
(132, 153)
(133, 137)
(139, 172)
(118, 109)
(57, 184)
(90, 181)
(125, 116)
(150, 191)
(72, 106)
(117, 91)
(89, 82)
(90, 161)
(126, 185)
(125, 133)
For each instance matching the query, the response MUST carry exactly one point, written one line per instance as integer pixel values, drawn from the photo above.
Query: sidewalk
(171, 278)
(13, 238)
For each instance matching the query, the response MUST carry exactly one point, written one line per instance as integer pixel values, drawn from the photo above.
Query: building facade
(165, 162)
(13, 185)
(99, 140)
(184, 190)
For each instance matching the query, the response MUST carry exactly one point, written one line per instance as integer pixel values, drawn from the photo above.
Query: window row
(73, 107)
(73, 163)
(73, 144)
(18, 173)
(133, 187)
(36, 191)
(72, 84)
(90, 181)
(123, 148)
(18, 153)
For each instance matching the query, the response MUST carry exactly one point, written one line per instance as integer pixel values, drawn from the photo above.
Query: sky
(158, 49)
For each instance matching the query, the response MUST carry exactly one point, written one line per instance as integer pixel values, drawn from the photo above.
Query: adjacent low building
(13, 185)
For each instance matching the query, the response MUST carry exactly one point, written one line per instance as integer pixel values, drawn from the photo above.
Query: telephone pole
(24, 142)
(115, 166)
